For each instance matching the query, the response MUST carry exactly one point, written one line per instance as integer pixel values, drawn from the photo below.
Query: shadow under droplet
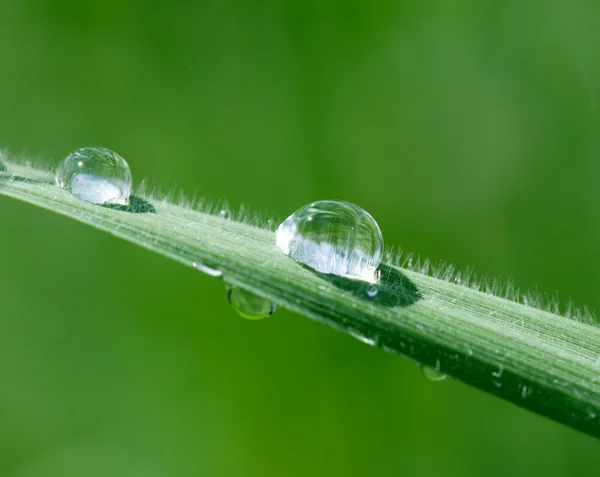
(136, 205)
(393, 289)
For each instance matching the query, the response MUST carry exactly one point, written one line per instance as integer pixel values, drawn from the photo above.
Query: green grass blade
(538, 360)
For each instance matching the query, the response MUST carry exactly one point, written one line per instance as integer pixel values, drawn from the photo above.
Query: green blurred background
(468, 129)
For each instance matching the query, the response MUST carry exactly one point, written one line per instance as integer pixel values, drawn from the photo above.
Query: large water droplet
(248, 305)
(96, 175)
(333, 237)
(432, 374)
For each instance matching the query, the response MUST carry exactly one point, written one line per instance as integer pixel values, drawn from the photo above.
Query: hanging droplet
(4, 167)
(333, 237)
(432, 374)
(248, 305)
(96, 175)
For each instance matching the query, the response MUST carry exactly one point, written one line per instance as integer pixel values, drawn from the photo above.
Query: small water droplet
(432, 374)
(372, 291)
(333, 237)
(248, 305)
(96, 175)
(213, 272)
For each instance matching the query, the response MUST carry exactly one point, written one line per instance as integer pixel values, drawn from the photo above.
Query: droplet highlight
(248, 305)
(432, 374)
(213, 272)
(333, 237)
(96, 175)
(371, 341)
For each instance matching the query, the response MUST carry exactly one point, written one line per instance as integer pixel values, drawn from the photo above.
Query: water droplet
(372, 291)
(248, 305)
(96, 175)
(433, 374)
(333, 237)
(213, 272)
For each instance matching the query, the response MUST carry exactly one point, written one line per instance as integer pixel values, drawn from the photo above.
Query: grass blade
(538, 360)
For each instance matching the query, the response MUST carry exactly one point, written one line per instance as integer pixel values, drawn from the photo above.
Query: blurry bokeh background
(470, 130)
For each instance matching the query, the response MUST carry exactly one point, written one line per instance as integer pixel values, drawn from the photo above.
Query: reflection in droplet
(96, 175)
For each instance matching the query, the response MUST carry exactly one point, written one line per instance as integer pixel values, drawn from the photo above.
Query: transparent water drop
(96, 175)
(432, 374)
(248, 305)
(372, 291)
(333, 237)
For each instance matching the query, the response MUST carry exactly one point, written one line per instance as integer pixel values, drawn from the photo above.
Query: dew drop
(432, 374)
(96, 175)
(372, 291)
(333, 237)
(248, 305)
